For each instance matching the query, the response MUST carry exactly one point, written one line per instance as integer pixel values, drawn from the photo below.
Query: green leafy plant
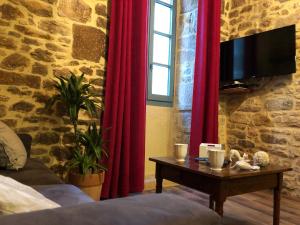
(76, 95)
(93, 152)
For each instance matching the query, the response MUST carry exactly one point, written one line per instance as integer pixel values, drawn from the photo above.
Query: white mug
(180, 152)
(216, 158)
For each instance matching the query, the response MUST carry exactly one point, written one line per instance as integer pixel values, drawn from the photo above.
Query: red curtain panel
(204, 125)
(125, 98)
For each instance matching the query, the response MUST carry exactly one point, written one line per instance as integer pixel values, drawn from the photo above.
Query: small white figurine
(261, 158)
(243, 162)
(236, 154)
(245, 166)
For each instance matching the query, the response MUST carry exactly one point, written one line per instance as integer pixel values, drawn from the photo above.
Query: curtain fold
(204, 124)
(125, 98)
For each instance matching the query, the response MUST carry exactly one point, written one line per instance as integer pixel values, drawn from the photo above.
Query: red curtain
(125, 98)
(204, 125)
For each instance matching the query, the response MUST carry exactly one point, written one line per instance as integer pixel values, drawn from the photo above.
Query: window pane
(170, 2)
(160, 80)
(162, 19)
(161, 49)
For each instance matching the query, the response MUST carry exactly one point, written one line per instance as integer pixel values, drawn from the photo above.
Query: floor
(248, 209)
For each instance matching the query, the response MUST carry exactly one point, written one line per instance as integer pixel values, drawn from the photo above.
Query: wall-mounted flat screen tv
(269, 53)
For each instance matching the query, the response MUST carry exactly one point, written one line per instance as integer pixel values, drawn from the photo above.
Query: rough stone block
(40, 97)
(22, 106)
(40, 69)
(101, 22)
(32, 32)
(4, 23)
(42, 55)
(88, 43)
(76, 10)
(50, 1)
(237, 3)
(39, 151)
(61, 154)
(241, 118)
(28, 129)
(97, 82)
(237, 133)
(14, 34)
(10, 122)
(46, 138)
(30, 41)
(8, 43)
(2, 110)
(15, 61)
(17, 91)
(9, 12)
(86, 70)
(62, 129)
(246, 144)
(68, 139)
(11, 78)
(279, 104)
(37, 8)
(54, 47)
(54, 27)
(100, 9)
(40, 119)
(273, 139)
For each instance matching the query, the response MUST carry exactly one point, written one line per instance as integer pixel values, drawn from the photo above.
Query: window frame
(154, 99)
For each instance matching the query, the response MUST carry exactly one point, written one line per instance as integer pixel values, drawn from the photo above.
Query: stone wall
(184, 76)
(40, 39)
(268, 118)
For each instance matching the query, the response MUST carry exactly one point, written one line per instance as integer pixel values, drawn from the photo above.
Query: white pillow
(11, 148)
(18, 198)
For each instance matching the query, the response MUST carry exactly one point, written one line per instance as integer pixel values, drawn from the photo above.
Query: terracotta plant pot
(91, 184)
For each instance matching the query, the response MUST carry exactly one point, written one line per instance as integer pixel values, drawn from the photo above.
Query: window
(161, 52)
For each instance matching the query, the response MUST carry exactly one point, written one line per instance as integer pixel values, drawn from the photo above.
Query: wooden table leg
(159, 179)
(219, 206)
(159, 182)
(276, 200)
(211, 202)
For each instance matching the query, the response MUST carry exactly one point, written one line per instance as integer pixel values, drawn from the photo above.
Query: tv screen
(269, 53)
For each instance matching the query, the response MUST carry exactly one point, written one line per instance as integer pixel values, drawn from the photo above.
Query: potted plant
(85, 169)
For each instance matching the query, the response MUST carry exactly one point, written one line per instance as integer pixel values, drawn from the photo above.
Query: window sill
(160, 103)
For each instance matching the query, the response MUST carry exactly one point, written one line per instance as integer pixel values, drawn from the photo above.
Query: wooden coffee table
(221, 184)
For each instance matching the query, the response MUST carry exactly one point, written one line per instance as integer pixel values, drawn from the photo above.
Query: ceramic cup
(216, 158)
(180, 152)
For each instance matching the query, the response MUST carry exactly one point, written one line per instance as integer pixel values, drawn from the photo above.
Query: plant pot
(91, 184)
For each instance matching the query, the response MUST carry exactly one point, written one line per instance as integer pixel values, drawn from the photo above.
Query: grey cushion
(63, 194)
(150, 209)
(33, 173)
(13, 151)
(4, 159)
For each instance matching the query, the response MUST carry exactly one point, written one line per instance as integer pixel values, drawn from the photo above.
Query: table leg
(159, 179)
(211, 202)
(159, 182)
(219, 206)
(276, 200)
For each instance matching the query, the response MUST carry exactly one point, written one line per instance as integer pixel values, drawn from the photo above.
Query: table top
(202, 168)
